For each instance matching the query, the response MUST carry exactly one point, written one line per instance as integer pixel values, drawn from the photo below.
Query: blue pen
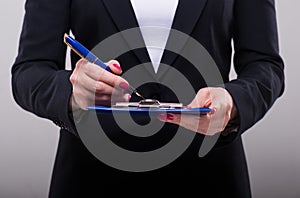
(83, 52)
(79, 49)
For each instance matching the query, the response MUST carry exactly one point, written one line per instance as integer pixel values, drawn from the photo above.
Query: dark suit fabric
(41, 85)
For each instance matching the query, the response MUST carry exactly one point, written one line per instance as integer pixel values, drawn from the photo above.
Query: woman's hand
(219, 100)
(93, 85)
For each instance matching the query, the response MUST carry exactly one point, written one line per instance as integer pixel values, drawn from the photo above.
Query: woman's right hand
(93, 85)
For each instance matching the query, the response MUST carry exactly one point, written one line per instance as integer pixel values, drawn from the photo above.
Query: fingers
(218, 99)
(86, 82)
(167, 117)
(81, 78)
(194, 123)
(94, 85)
(98, 74)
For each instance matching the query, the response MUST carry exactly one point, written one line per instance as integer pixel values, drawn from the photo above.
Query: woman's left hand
(223, 110)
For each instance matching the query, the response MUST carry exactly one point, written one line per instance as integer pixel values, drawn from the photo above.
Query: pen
(83, 52)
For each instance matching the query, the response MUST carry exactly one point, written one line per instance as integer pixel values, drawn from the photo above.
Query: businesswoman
(42, 85)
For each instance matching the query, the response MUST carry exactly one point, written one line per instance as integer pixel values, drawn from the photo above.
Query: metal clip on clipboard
(148, 107)
(149, 103)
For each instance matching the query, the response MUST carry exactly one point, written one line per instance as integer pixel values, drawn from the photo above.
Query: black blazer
(41, 85)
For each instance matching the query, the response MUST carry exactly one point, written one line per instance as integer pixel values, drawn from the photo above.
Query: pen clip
(72, 48)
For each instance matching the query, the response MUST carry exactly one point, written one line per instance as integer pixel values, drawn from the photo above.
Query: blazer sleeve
(40, 83)
(257, 62)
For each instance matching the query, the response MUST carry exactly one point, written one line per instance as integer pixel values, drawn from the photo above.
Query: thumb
(202, 99)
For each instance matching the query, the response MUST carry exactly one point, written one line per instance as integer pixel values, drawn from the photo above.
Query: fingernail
(170, 117)
(117, 66)
(124, 85)
(162, 117)
(213, 111)
(188, 107)
(129, 97)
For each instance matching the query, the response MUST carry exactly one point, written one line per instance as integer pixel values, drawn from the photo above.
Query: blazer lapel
(123, 15)
(186, 17)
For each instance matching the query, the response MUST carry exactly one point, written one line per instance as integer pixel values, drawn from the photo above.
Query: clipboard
(148, 107)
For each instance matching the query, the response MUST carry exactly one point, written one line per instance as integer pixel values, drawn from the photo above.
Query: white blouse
(155, 18)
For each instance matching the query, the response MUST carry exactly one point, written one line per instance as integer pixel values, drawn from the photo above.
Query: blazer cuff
(64, 117)
(244, 106)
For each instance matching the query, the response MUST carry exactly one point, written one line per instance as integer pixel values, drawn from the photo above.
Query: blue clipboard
(148, 111)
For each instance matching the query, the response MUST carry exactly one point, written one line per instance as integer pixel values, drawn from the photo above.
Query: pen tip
(136, 93)
(139, 95)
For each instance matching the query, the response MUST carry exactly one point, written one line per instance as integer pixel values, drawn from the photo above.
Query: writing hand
(93, 85)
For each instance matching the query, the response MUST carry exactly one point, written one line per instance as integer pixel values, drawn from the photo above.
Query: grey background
(28, 143)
